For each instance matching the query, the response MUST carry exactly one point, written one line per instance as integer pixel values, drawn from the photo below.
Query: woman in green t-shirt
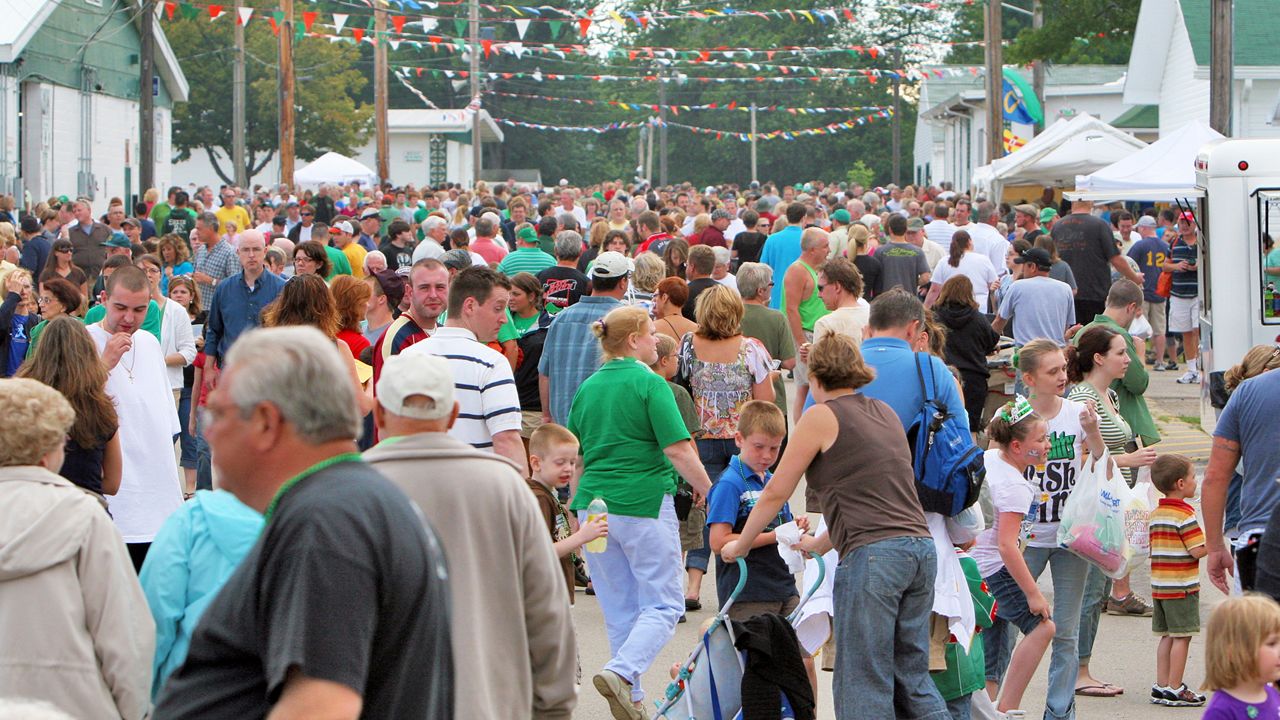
(633, 442)
(522, 314)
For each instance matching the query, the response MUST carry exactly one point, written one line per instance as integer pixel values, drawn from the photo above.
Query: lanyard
(322, 465)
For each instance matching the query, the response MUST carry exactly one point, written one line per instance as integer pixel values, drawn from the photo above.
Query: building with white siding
(1169, 65)
(69, 94)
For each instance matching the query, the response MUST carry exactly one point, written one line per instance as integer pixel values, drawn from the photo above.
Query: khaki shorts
(691, 529)
(802, 369)
(1176, 618)
(746, 610)
(1155, 312)
(530, 420)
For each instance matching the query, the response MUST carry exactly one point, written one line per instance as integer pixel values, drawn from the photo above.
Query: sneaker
(1159, 367)
(1171, 365)
(1162, 695)
(1190, 377)
(1130, 605)
(1184, 697)
(617, 692)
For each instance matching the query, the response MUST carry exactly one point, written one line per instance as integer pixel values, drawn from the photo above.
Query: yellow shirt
(355, 255)
(235, 214)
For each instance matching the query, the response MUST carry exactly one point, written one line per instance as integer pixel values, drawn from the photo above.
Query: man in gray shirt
(1044, 307)
(903, 264)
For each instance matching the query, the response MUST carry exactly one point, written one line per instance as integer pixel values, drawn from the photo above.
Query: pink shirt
(491, 251)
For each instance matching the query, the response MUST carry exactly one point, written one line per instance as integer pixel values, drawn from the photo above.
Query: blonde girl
(1242, 659)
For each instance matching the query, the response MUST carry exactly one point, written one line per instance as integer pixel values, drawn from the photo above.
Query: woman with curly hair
(306, 300)
(175, 259)
(351, 297)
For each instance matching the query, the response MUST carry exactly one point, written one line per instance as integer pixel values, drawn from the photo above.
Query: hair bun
(598, 328)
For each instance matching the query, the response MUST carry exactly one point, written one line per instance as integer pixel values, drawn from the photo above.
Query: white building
(69, 89)
(1169, 65)
(426, 146)
(951, 135)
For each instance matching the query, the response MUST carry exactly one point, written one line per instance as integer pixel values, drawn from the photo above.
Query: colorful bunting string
(676, 108)
(828, 129)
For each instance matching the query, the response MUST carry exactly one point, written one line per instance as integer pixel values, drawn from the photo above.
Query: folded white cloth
(815, 623)
(788, 535)
(951, 597)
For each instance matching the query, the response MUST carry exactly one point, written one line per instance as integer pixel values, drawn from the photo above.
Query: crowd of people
(358, 449)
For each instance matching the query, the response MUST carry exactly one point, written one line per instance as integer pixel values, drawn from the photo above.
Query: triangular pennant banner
(276, 19)
(339, 21)
(429, 24)
(243, 14)
(554, 26)
(308, 19)
(214, 12)
(460, 26)
(488, 47)
(583, 24)
(397, 22)
(189, 12)
(169, 8)
(358, 33)
(522, 26)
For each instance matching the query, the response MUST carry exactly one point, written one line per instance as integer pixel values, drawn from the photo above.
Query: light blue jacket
(193, 554)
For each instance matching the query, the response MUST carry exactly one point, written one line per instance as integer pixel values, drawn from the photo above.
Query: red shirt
(644, 246)
(355, 341)
(491, 251)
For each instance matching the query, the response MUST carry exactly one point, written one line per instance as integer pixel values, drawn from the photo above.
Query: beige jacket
(514, 651)
(74, 625)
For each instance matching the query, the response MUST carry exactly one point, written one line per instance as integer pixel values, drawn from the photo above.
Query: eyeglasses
(62, 250)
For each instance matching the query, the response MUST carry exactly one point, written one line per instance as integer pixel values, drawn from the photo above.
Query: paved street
(1124, 653)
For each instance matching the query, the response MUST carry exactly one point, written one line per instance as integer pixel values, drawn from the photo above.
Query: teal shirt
(151, 323)
(525, 259)
(338, 259)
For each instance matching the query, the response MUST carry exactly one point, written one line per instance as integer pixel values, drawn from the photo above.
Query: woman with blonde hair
(76, 629)
(633, 443)
(175, 259)
(723, 370)
(18, 317)
(645, 279)
(595, 243)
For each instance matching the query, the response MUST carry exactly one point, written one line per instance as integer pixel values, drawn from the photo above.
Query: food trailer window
(1268, 232)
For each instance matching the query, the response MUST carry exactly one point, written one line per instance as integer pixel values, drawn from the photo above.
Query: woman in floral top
(723, 370)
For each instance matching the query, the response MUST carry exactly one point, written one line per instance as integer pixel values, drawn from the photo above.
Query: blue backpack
(948, 465)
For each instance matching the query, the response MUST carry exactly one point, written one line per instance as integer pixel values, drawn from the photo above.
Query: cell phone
(197, 329)
(776, 364)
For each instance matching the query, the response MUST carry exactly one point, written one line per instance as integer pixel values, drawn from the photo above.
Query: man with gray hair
(341, 607)
(987, 240)
(563, 284)
(713, 235)
(486, 245)
(513, 642)
(769, 326)
(434, 232)
(721, 272)
(568, 221)
(214, 259)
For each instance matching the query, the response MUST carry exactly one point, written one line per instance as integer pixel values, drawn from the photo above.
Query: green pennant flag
(460, 26)
(555, 26)
(299, 30)
(371, 25)
(189, 11)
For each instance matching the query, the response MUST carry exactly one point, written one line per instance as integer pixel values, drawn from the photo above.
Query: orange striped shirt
(1174, 533)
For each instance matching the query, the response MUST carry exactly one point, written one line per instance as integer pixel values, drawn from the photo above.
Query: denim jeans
(1231, 520)
(883, 595)
(204, 459)
(715, 455)
(958, 709)
(637, 580)
(186, 439)
(1069, 572)
(1097, 588)
(1013, 614)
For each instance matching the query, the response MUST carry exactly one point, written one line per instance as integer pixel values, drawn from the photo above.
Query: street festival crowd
(356, 452)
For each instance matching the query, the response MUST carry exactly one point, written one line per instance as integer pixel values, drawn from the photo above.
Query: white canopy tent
(334, 168)
(1065, 149)
(1162, 171)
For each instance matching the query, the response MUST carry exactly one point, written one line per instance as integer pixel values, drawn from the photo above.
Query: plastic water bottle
(597, 509)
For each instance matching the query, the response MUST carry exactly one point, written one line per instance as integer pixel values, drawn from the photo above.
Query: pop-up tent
(1163, 171)
(334, 168)
(1065, 149)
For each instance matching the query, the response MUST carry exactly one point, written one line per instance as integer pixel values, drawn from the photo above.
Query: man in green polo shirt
(801, 301)
(1124, 304)
(528, 256)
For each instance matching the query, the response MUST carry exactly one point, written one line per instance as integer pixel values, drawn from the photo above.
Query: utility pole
(995, 76)
(286, 96)
(754, 175)
(240, 173)
(382, 150)
(146, 101)
(473, 12)
(897, 118)
(662, 130)
(1037, 67)
(648, 162)
(1221, 76)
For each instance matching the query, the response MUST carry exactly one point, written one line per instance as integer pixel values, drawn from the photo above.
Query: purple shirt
(1227, 707)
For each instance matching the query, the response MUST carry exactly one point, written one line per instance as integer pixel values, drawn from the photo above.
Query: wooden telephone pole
(1221, 75)
(995, 77)
(146, 101)
(240, 173)
(473, 21)
(380, 92)
(286, 96)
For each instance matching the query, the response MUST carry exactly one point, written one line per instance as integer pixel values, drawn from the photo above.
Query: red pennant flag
(704, 55)
(488, 47)
(769, 54)
(434, 39)
(308, 19)
(419, 72)
(275, 29)
(583, 24)
(214, 11)
(848, 14)
(644, 21)
(733, 105)
(631, 54)
(873, 52)
(169, 7)
(713, 106)
(397, 22)
(463, 73)
(508, 76)
(358, 34)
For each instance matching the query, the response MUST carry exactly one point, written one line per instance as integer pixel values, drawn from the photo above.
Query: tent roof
(1138, 117)
(334, 168)
(1168, 163)
(1065, 149)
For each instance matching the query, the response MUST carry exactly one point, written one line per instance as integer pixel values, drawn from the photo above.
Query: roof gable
(1255, 32)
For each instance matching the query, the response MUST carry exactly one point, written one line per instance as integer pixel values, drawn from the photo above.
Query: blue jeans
(1069, 572)
(1097, 588)
(958, 708)
(1012, 614)
(715, 455)
(204, 459)
(186, 440)
(1231, 519)
(637, 583)
(883, 595)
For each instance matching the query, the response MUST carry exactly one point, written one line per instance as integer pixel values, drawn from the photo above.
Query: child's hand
(1039, 606)
(594, 529)
(802, 522)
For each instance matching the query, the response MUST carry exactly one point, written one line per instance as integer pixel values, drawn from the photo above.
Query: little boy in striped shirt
(1177, 544)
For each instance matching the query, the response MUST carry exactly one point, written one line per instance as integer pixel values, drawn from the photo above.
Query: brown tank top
(865, 483)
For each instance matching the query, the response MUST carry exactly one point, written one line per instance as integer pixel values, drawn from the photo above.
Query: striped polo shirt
(1174, 533)
(484, 385)
(525, 259)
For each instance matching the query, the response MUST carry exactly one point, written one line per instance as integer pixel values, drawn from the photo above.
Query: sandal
(1103, 690)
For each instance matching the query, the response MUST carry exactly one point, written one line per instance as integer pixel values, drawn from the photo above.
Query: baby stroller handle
(737, 590)
(822, 574)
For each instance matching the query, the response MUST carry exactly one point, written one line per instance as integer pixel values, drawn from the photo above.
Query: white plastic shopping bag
(1093, 519)
(1138, 503)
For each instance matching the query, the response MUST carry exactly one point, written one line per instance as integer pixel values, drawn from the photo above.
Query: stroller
(708, 685)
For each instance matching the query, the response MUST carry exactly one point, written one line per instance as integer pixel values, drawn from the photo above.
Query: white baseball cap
(411, 374)
(344, 226)
(611, 265)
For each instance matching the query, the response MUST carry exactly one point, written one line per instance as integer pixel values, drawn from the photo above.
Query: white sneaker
(1190, 377)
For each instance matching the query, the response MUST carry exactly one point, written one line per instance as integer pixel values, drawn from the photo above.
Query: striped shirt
(219, 263)
(1174, 534)
(483, 382)
(1115, 430)
(530, 260)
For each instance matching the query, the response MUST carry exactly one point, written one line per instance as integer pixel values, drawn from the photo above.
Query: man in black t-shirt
(1088, 246)
(563, 284)
(342, 604)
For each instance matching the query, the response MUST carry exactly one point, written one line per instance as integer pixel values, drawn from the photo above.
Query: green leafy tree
(328, 117)
(1075, 32)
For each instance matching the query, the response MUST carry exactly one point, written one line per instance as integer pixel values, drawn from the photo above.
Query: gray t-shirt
(1249, 419)
(901, 265)
(1043, 308)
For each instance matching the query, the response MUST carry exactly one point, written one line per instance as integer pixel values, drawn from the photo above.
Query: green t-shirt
(419, 216)
(151, 323)
(687, 410)
(387, 214)
(338, 261)
(623, 416)
(770, 327)
(515, 326)
(159, 212)
(35, 337)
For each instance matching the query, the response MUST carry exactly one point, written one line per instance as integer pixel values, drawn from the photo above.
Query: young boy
(770, 588)
(1177, 544)
(553, 457)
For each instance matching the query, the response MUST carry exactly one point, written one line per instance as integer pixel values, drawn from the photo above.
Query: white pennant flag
(395, 44)
(245, 14)
(522, 26)
(428, 24)
(339, 21)
(459, 84)
(515, 49)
